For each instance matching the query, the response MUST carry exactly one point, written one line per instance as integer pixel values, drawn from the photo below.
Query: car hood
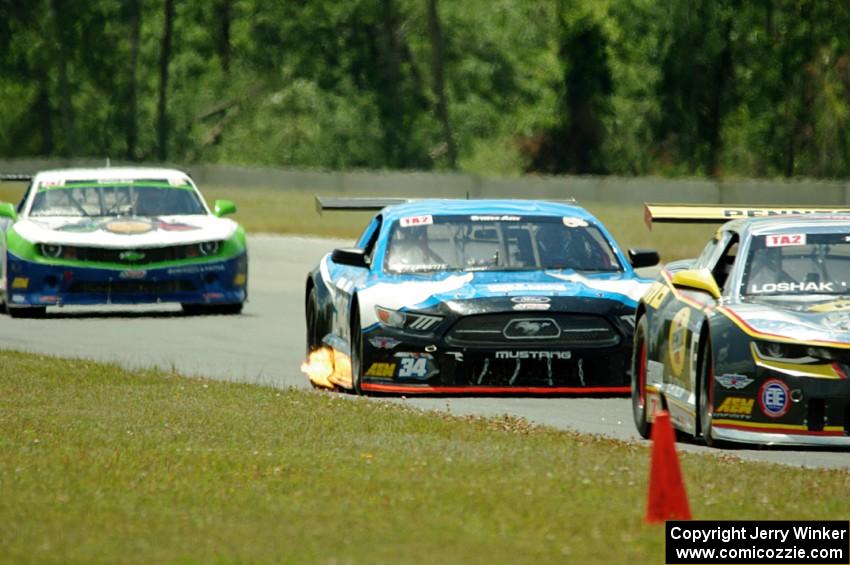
(423, 294)
(124, 231)
(800, 319)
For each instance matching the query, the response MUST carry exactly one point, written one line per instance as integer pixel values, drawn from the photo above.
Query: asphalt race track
(265, 345)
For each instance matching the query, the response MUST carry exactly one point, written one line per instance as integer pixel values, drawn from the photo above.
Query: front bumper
(221, 281)
(781, 409)
(404, 365)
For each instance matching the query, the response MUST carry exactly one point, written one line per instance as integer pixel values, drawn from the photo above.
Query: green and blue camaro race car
(119, 236)
(750, 342)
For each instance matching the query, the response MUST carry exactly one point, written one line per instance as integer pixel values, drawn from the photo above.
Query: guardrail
(439, 184)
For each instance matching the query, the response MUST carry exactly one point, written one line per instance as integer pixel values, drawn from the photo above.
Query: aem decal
(736, 405)
(677, 340)
(384, 370)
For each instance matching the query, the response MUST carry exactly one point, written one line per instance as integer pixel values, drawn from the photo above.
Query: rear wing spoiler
(720, 213)
(365, 204)
(345, 204)
(15, 177)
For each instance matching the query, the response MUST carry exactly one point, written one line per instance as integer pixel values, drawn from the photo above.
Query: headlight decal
(406, 320)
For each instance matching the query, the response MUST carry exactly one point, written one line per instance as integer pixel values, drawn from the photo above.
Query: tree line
(631, 87)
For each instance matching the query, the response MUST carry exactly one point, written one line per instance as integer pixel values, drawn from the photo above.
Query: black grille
(537, 330)
(131, 287)
(484, 369)
(132, 256)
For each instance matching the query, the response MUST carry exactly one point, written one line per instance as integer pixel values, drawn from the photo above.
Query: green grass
(101, 464)
(263, 210)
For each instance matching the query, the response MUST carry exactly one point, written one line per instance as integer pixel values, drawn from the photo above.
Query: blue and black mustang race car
(119, 236)
(750, 342)
(476, 297)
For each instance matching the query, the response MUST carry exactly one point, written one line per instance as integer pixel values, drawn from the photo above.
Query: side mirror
(224, 207)
(8, 211)
(353, 257)
(643, 257)
(697, 279)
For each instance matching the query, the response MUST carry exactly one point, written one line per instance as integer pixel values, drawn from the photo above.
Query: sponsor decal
(48, 299)
(417, 365)
(128, 227)
(837, 321)
(383, 342)
(51, 183)
(818, 287)
(193, 269)
(240, 279)
(654, 372)
(20, 282)
(527, 287)
(458, 355)
(785, 240)
(835, 306)
(495, 218)
(133, 274)
(532, 306)
(656, 295)
(532, 328)
(85, 226)
(18, 298)
(381, 370)
(736, 405)
(761, 212)
(774, 398)
(175, 226)
(731, 380)
(574, 222)
(563, 355)
(213, 295)
(677, 341)
(530, 299)
(411, 221)
(131, 256)
(178, 181)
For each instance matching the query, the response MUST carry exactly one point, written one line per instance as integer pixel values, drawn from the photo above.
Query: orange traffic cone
(667, 497)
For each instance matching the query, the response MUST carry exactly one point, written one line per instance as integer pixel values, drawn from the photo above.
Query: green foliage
(696, 87)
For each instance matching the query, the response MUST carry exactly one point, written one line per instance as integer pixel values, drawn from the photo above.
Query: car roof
(448, 207)
(109, 173)
(789, 222)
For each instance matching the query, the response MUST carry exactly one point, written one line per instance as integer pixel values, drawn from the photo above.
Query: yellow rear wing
(720, 213)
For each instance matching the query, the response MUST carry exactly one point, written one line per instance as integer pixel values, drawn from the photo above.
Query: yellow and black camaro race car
(750, 342)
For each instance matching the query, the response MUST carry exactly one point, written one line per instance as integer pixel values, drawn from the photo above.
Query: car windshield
(490, 243)
(798, 264)
(139, 198)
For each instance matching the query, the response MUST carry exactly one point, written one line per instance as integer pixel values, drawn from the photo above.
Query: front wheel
(639, 364)
(706, 395)
(26, 312)
(221, 309)
(311, 312)
(356, 352)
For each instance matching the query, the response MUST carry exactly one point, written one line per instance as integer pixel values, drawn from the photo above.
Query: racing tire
(311, 313)
(28, 312)
(356, 351)
(221, 309)
(638, 381)
(706, 395)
